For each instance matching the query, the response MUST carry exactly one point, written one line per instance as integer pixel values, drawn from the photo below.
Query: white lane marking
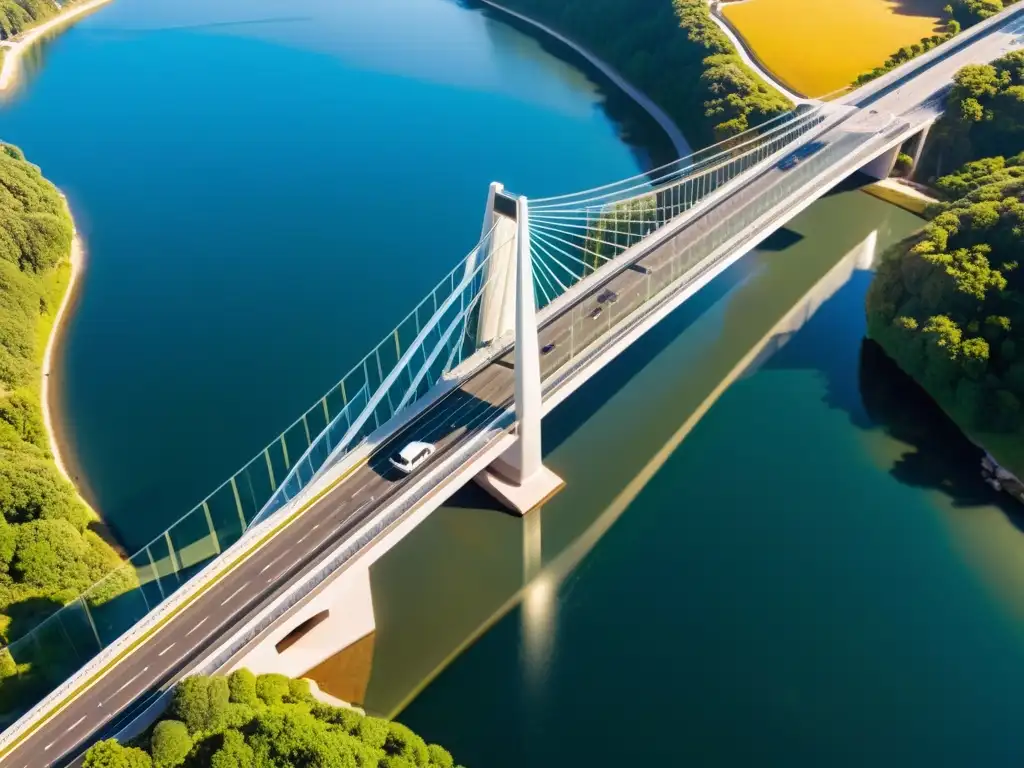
(129, 682)
(232, 595)
(272, 562)
(197, 626)
(165, 650)
(316, 526)
(302, 539)
(49, 745)
(76, 723)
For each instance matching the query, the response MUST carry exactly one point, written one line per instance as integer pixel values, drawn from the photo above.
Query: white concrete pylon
(497, 306)
(519, 479)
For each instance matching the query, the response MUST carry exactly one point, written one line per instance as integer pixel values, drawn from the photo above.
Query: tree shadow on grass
(920, 8)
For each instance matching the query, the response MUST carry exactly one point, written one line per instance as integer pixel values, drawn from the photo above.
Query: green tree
(169, 744)
(242, 687)
(110, 754)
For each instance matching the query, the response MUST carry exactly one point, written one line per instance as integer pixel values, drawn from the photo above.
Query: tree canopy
(674, 52)
(244, 721)
(984, 115)
(48, 554)
(18, 15)
(947, 304)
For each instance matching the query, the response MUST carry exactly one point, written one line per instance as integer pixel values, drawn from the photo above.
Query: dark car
(596, 313)
(800, 154)
(608, 296)
(547, 348)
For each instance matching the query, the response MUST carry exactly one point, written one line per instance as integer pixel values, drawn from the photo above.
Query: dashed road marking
(76, 723)
(233, 594)
(265, 567)
(165, 650)
(197, 626)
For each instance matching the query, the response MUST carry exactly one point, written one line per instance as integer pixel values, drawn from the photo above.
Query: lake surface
(811, 574)
(266, 188)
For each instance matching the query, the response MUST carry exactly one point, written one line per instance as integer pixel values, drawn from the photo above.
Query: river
(265, 189)
(815, 575)
(770, 548)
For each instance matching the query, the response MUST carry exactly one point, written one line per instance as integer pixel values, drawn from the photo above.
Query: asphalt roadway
(449, 423)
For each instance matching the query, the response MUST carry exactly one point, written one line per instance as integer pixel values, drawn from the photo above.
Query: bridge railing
(431, 340)
(572, 236)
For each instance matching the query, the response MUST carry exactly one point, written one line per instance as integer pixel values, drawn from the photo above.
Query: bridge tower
(518, 478)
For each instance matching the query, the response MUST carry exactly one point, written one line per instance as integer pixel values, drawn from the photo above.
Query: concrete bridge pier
(918, 148)
(882, 166)
(337, 618)
(518, 478)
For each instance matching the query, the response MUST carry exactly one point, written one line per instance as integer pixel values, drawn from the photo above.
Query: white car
(409, 459)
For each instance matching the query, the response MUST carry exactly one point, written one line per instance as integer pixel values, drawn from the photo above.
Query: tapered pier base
(519, 497)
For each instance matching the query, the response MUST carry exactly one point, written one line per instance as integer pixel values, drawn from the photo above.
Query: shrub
(242, 687)
(439, 756)
(373, 731)
(272, 688)
(110, 754)
(401, 741)
(169, 744)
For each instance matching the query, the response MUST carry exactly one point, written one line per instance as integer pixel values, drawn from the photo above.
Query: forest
(245, 720)
(675, 53)
(48, 553)
(947, 304)
(18, 15)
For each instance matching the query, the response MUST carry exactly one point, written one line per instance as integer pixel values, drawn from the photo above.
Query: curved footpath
(15, 49)
(747, 55)
(682, 146)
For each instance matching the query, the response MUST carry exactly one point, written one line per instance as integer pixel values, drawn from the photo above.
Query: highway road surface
(463, 413)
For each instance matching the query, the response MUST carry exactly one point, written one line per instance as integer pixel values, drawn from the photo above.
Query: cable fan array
(573, 235)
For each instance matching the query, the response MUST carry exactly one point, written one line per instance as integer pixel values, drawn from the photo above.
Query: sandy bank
(53, 435)
(675, 135)
(16, 47)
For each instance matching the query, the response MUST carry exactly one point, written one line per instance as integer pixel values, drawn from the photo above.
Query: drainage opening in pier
(301, 631)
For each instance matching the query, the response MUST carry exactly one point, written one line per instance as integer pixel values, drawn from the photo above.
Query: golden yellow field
(817, 46)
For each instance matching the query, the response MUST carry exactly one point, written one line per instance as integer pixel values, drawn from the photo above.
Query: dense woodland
(243, 720)
(48, 554)
(18, 15)
(675, 53)
(948, 304)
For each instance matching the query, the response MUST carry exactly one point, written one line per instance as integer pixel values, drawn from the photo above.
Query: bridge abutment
(518, 479)
(336, 619)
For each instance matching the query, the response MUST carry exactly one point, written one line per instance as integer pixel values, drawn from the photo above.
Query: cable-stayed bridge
(271, 570)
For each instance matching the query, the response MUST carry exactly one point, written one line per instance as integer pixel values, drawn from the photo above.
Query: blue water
(265, 188)
(813, 574)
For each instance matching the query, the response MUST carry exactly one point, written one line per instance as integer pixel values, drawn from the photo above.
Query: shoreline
(53, 433)
(666, 123)
(15, 48)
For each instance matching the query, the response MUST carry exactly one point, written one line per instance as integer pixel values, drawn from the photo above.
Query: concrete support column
(518, 479)
(881, 167)
(922, 137)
